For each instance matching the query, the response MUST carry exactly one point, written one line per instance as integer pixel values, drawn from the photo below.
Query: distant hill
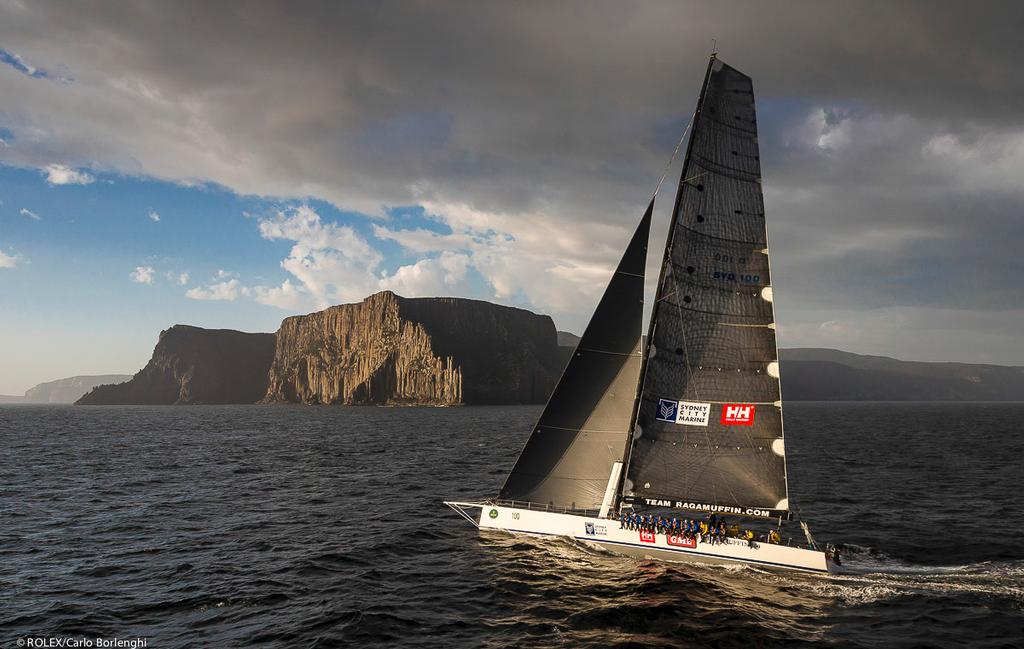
(810, 374)
(566, 339)
(66, 390)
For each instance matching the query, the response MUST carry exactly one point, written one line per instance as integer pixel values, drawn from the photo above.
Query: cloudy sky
(229, 164)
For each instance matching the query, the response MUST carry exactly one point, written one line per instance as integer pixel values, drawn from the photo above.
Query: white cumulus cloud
(142, 275)
(63, 175)
(332, 262)
(8, 261)
(154, 216)
(430, 277)
(286, 296)
(180, 279)
(228, 290)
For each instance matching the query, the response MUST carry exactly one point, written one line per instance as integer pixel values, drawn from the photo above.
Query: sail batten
(708, 432)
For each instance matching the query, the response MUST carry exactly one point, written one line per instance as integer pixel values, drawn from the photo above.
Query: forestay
(585, 426)
(708, 432)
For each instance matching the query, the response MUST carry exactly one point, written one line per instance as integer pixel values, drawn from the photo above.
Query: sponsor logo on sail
(726, 276)
(693, 414)
(647, 536)
(681, 541)
(737, 414)
(667, 410)
(683, 412)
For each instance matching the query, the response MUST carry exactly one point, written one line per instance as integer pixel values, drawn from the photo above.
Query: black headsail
(585, 426)
(708, 432)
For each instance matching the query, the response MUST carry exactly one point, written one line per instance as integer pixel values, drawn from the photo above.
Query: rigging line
(695, 177)
(682, 327)
(686, 349)
(674, 154)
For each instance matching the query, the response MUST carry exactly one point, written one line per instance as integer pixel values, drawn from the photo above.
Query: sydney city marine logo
(667, 409)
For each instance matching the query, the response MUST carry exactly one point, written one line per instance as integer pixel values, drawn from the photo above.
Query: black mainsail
(584, 428)
(708, 432)
(703, 399)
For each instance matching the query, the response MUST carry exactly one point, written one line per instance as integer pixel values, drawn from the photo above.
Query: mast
(661, 276)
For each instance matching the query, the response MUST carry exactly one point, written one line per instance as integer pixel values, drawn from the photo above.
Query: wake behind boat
(641, 434)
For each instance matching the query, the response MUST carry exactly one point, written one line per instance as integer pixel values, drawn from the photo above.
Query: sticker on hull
(681, 541)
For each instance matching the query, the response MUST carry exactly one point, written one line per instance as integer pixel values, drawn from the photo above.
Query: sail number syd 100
(733, 277)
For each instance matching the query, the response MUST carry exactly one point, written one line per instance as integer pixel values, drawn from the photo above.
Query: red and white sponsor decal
(737, 414)
(646, 536)
(681, 541)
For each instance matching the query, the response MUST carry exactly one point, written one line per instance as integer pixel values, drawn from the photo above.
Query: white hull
(606, 534)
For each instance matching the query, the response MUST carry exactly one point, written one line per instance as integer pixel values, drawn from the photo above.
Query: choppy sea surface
(323, 527)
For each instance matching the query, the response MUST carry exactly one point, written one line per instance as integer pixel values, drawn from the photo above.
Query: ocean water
(323, 527)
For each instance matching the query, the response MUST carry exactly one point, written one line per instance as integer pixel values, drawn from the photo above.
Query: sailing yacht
(687, 421)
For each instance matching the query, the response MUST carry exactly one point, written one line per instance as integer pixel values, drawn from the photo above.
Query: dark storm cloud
(892, 132)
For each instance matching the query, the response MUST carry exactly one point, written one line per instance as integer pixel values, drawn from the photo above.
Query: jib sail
(584, 428)
(708, 432)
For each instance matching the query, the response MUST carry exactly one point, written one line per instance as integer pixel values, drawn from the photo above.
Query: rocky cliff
(433, 351)
(192, 365)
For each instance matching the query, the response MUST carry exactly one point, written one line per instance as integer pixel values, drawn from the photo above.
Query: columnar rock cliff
(393, 350)
(194, 365)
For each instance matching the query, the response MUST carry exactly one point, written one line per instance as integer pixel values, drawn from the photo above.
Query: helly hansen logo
(647, 536)
(737, 414)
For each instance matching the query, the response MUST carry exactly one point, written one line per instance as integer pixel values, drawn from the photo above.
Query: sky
(230, 164)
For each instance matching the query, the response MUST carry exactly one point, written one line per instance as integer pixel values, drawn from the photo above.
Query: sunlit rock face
(418, 351)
